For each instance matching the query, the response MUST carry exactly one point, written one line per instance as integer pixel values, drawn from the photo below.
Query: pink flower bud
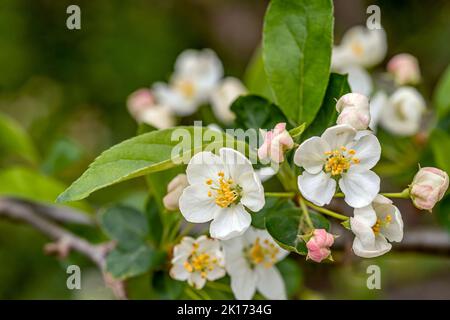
(276, 143)
(354, 110)
(138, 101)
(405, 69)
(428, 187)
(174, 190)
(319, 245)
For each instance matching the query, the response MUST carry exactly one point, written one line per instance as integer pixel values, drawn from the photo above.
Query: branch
(63, 214)
(64, 239)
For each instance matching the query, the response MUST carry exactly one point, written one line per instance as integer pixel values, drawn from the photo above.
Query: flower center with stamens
(357, 48)
(200, 262)
(225, 191)
(340, 160)
(186, 87)
(264, 253)
(376, 228)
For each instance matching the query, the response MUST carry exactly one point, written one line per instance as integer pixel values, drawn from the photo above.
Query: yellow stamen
(376, 228)
(265, 253)
(186, 87)
(340, 160)
(357, 48)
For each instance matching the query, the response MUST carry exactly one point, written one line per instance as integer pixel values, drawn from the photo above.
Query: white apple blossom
(403, 112)
(220, 189)
(377, 104)
(144, 109)
(250, 261)
(375, 226)
(339, 155)
(353, 109)
(196, 75)
(358, 79)
(360, 46)
(197, 260)
(223, 96)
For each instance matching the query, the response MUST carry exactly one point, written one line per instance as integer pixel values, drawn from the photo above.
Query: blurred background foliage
(68, 89)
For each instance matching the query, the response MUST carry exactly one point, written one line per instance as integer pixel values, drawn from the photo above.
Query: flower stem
(326, 211)
(306, 213)
(279, 194)
(396, 195)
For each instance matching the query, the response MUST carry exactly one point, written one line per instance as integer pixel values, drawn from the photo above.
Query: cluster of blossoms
(225, 190)
(197, 79)
(398, 110)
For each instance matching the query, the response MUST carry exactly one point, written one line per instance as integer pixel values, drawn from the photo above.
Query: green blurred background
(68, 89)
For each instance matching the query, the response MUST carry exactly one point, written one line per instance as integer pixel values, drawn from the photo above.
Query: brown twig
(64, 239)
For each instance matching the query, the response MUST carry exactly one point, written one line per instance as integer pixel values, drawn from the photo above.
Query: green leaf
(125, 264)
(62, 154)
(297, 131)
(327, 115)
(155, 224)
(165, 287)
(297, 43)
(255, 112)
(15, 141)
(126, 225)
(271, 206)
(158, 182)
(284, 228)
(287, 225)
(145, 154)
(292, 275)
(255, 78)
(442, 94)
(440, 144)
(27, 184)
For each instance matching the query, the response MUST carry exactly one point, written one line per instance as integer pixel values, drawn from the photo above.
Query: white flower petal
(317, 188)
(236, 162)
(196, 206)
(381, 247)
(377, 104)
(196, 280)
(366, 215)
(368, 151)
(243, 281)
(204, 166)
(339, 136)
(230, 222)
(252, 191)
(270, 283)
(179, 272)
(358, 79)
(215, 274)
(393, 230)
(359, 187)
(363, 231)
(311, 154)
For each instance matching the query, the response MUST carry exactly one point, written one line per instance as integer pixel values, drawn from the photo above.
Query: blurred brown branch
(426, 240)
(64, 241)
